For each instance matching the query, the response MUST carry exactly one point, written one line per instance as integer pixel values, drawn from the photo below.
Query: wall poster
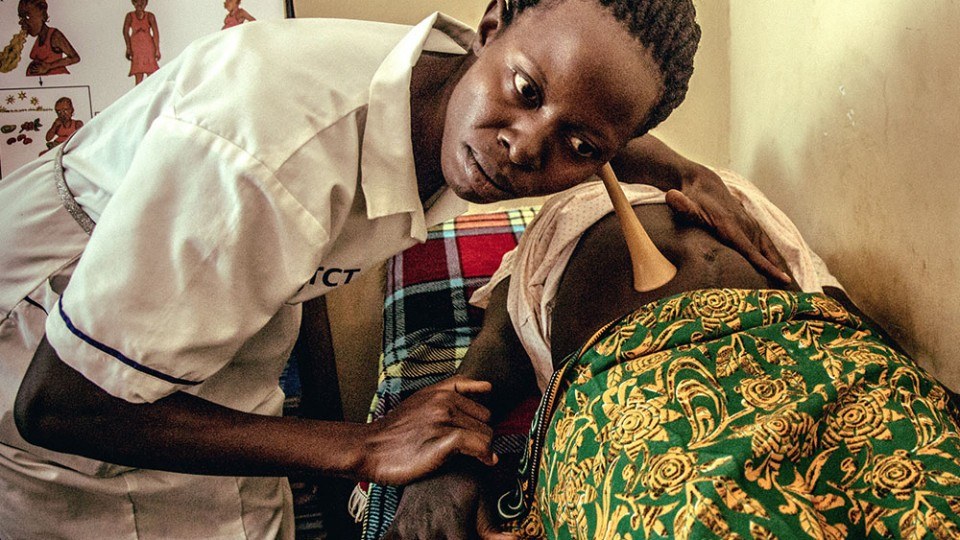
(63, 61)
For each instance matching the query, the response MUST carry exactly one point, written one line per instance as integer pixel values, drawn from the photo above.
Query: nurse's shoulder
(270, 83)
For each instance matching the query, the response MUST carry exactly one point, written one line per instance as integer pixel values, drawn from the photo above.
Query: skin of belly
(597, 284)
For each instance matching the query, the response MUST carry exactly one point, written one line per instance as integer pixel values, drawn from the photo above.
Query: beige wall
(847, 114)
(395, 11)
(700, 127)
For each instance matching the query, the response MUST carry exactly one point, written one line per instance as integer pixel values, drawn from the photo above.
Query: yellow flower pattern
(860, 419)
(668, 473)
(741, 414)
(895, 475)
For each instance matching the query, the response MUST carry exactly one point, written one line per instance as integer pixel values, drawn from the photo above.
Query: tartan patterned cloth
(428, 323)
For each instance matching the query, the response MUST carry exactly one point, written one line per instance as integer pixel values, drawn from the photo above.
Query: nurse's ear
(490, 24)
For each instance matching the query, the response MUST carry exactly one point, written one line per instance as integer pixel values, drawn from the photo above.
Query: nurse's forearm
(59, 409)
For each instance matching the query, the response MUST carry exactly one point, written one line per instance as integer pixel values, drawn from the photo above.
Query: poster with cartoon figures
(35, 120)
(91, 53)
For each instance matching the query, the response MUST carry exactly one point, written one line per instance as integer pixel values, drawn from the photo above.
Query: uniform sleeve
(196, 251)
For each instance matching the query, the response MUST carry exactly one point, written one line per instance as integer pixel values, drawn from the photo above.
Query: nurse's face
(549, 100)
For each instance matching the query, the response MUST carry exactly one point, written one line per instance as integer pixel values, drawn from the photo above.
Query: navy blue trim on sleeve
(119, 355)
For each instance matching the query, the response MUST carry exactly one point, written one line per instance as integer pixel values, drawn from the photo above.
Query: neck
(433, 79)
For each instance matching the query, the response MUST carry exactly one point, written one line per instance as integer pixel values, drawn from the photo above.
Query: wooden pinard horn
(650, 268)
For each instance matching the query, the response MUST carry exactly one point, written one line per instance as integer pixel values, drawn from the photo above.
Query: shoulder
(275, 84)
(59, 41)
(289, 48)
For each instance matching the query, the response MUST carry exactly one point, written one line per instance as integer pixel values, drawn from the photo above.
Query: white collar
(387, 150)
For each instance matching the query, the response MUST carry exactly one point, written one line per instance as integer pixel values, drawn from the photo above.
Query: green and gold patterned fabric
(740, 414)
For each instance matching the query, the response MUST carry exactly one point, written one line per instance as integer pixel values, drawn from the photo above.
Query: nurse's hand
(427, 429)
(449, 505)
(705, 200)
(60, 409)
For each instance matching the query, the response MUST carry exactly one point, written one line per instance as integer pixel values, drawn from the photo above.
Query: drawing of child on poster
(52, 51)
(143, 41)
(64, 126)
(236, 15)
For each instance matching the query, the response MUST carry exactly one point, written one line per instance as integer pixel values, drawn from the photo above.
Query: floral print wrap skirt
(740, 414)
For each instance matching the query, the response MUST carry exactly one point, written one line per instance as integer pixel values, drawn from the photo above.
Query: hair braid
(668, 28)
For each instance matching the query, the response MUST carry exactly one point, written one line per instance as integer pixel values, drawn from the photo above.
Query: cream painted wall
(847, 114)
(700, 127)
(395, 11)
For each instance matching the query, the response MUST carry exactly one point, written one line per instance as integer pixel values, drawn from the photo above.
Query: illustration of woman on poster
(236, 15)
(143, 41)
(52, 51)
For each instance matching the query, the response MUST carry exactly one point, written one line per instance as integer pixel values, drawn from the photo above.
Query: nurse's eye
(583, 148)
(526, 88)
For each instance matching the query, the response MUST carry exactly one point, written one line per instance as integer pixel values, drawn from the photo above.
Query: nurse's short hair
(667, 28)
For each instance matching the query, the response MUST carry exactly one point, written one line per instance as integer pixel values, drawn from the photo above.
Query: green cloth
(728, 413)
